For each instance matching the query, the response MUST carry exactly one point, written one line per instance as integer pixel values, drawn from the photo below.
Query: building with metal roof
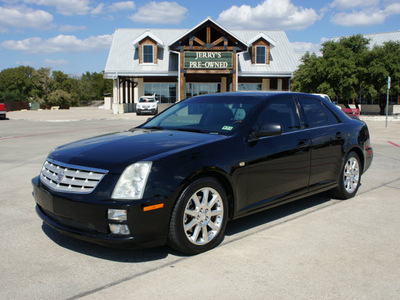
(176, 64)
(377, 39)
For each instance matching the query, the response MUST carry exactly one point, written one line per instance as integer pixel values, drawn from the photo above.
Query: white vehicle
(147, 104)
(324, 96)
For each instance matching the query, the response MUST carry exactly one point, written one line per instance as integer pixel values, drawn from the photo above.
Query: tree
(61, 81)
(384, 63)
(307, 78)
(41, 80)
(343, 62)
(61, 98)
(16, 84)
(51, 88)
(349, 68)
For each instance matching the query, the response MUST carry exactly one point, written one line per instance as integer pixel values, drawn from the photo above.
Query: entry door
(278, 167)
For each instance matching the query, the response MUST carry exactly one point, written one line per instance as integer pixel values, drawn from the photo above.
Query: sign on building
(208, 60)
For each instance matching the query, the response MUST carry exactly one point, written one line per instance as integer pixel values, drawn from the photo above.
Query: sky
(74, 36)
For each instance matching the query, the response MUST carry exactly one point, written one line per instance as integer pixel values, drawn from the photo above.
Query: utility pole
(387, 101)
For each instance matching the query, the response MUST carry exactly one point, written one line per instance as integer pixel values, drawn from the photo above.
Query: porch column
(266, 84)
(223, 84)
(182, 78)
(235, 73)
(280, 84)
(115, 104)
(140, 88)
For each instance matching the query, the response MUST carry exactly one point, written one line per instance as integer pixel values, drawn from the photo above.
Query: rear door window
(314, 112)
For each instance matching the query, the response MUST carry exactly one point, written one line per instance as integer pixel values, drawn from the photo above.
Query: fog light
(120, 229)
(117, 215)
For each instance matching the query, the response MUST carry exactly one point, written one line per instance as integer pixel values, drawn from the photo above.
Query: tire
(199, 218)
(138, 113)
(350, 178)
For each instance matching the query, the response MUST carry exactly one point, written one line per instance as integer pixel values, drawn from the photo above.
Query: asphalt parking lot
(315, 248)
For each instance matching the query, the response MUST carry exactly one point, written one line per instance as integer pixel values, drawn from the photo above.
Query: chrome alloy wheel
(203, 216)
(351, 176)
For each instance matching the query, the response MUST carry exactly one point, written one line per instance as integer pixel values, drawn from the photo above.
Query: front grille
(70, 178)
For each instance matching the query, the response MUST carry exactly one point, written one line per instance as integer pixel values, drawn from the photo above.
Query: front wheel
(199, 217)
(350, 178)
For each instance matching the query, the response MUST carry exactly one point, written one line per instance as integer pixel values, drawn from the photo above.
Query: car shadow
(276, 213)
(103, 252)
(151, 254)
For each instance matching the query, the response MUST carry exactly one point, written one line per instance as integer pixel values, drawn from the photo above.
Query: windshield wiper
(191, 130)
(154, 127)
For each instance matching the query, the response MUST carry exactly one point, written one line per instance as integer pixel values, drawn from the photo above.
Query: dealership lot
(313, 248)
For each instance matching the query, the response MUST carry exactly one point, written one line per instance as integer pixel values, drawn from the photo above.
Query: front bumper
(146, 110)
(87, 220)
(369, 155)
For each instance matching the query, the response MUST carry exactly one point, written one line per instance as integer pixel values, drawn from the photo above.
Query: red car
(2, 110)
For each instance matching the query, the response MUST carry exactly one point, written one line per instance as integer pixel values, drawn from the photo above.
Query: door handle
(301, 144)
(339, 135)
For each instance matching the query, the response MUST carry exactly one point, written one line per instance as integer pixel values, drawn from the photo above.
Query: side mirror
(267, 129)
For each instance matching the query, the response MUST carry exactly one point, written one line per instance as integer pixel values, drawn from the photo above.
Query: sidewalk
(67, 115)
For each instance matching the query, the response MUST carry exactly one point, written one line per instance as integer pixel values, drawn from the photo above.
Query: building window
(200, 88)
(165, 91)
(148, 54)
(261, 54)
(250, 86)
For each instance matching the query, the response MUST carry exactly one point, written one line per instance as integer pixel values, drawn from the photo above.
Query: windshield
(208, 114)
(142, 99)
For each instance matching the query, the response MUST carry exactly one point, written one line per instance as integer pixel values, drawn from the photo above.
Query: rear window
(142, 99)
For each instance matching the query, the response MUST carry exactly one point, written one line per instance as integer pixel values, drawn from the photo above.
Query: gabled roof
(262, 35)
(123, 57)
(146, 34)
(201, 24)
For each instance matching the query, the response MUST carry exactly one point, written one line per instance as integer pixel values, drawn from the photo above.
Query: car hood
(115, 151)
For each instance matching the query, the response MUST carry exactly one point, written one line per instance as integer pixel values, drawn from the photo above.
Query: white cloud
(392, 9)
(55, 62)
(359, 18)
(346, 4)
(71, 28)
(24, 17)
(160, 13)
(270, 14)
(65, 7)
(60, 43)
(26, 63)
(302, 47)
(363, 12)
(114, 7)
(98, 9)
(123, 5)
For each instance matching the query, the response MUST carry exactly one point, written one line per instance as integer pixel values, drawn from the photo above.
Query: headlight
(132, 182)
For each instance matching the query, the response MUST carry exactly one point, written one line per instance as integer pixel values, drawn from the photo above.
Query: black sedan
(178, 178)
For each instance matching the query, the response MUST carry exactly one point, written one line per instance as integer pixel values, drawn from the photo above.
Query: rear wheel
(350, 178)
(199, 217)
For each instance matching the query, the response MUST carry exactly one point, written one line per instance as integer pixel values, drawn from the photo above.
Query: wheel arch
(360, 154)
(221, 177)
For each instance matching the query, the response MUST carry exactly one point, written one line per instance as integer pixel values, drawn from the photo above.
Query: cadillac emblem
(60, 177)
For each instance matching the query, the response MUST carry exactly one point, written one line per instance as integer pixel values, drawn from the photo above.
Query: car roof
(257, 94)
